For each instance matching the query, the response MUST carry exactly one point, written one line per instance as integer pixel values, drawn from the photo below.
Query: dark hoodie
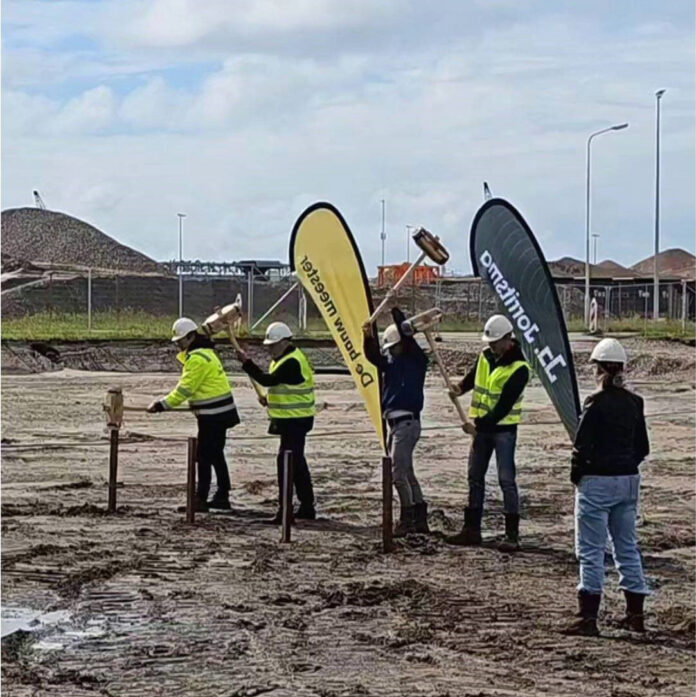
(511, 391)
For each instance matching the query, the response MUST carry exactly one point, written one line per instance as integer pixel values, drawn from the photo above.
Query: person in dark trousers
(403, 365)
(291, 407)
(206, 388)
(610, 443)
(498, 380)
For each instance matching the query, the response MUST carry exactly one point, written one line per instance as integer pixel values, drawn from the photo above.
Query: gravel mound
(49, 237)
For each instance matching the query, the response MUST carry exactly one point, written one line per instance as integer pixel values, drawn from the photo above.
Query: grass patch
(140, 325)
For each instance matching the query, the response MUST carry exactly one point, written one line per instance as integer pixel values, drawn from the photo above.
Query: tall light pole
(656, 273)
(181, 258)
(383, 235)
(595, 236)
(618, 127)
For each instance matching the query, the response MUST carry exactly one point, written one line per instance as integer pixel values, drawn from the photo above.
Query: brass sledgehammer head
(222, 319)
(113, 407)
(430, 244)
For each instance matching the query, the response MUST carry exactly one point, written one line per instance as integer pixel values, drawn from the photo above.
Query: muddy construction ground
(141, 603)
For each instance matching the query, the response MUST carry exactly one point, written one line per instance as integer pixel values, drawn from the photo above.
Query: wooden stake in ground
(191, 481)
(113, 408)
(387, 511)
(287, 497)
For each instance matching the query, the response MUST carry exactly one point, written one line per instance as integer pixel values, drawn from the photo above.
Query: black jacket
(403, 376)
(612, 438)
(511, 392)
(290, 373)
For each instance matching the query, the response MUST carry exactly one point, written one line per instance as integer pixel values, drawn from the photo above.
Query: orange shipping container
(389, 275)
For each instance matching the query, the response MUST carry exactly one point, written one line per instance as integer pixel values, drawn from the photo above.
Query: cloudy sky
(240, 113)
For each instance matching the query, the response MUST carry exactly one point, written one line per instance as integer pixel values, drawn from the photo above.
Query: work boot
(634, 620)
(200, 505)
(586, 622)
(221, 501)
(421, 515)
(407, 522)
(511, 543)
(306, 512)
(470, 534)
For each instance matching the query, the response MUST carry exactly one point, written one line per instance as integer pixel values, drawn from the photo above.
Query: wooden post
(191, 481)
(113, 468)
(684, 305)
(387, 514)
(287, 496)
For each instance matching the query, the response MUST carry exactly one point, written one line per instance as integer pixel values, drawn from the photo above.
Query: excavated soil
(144, 604)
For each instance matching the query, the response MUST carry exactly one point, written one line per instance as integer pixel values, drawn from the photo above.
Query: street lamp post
(656, 273)
(181, 258)
(618, 127)
(383, 234)
(595, 237)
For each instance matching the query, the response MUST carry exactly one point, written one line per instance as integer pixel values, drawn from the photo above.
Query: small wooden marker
(113, 408)
(191, 481)
(287, 496)
(387, 515)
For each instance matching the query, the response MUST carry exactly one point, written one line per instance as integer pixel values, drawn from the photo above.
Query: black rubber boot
(586, 622)
(634, 620)
(407, 522)
(511, 543)
(470, 534)
(306, 513)
(221, 501)
(421, 514)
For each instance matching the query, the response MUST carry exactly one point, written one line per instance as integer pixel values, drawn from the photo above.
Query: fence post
(684, 305)
(387, 514)
(287, 496)
(89, 300)
(191, 481)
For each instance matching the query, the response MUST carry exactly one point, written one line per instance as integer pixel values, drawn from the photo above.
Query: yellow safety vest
(488, 385)
(203, 384)
(292, 401)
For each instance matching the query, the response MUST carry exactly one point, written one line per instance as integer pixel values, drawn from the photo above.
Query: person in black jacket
(291, 407)
(610, 443)
(498, 380)
(403, 365)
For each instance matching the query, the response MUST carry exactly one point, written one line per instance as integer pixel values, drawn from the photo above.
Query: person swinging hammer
(291, 407)
(498, 380)
(207, 389)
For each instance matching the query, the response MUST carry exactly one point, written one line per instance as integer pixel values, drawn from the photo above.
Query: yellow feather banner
(327, 262)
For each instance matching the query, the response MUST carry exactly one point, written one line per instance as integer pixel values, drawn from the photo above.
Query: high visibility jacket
(292, 401)
(488, 385)
(203, 384)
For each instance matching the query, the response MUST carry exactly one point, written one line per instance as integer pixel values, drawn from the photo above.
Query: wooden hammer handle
(233, 340)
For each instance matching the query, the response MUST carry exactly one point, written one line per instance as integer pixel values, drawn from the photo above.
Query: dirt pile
(50, 237)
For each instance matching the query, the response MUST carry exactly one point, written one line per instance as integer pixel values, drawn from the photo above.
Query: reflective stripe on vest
(488, 386)
(292, 401)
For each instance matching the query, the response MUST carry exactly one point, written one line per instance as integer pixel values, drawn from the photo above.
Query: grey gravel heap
(50, 237)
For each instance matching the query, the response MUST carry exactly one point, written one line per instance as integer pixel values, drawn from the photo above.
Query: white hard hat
(182, 327)
(609, 351)
(496, 328)
(277, 331)
(391, 337)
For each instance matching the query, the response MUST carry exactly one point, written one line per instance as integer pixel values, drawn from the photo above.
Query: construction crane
(39, 201)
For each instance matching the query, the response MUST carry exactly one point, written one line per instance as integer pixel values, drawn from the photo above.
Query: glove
(155, 407)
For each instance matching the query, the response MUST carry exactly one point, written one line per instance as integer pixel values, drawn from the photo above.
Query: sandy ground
(156, 607)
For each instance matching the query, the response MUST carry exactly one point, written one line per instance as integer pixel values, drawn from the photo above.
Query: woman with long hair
(610, 443)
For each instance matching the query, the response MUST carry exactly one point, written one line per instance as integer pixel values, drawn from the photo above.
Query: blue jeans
(608, 505)
(482, 448)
